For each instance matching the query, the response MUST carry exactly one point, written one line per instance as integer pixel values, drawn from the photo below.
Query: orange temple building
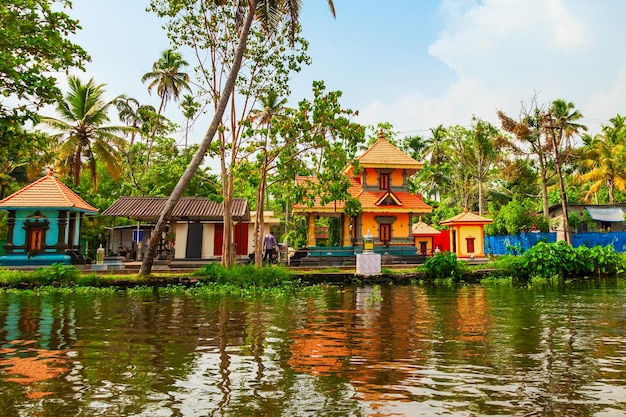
(388, 208)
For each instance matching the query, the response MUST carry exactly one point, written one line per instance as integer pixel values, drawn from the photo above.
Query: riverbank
(61, 275)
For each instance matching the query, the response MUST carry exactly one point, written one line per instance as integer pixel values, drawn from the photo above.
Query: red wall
(442, 240)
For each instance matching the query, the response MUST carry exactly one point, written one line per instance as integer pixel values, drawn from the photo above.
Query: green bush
(443, 265)
(549, 260)
(56, 273)
(245, 276)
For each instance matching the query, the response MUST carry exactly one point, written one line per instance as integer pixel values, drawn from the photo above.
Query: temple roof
(422, 229)
(187, 208)
(466, 217)
(46, 193)
(383, 154)
(371, 201)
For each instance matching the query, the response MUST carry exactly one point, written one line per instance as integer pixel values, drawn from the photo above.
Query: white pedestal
(368, 264)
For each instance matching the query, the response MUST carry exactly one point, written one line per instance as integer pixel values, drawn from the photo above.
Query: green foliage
(443, 265)
(442, 212)
(245, 276)
(58, 274)
(515, 217)
(34, 46)
(549, 260)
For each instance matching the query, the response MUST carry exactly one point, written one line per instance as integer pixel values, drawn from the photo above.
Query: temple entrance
(34, 239)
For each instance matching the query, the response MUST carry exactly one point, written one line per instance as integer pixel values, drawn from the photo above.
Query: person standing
(270, 243)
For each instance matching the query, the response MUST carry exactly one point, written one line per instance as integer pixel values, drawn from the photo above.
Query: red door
(241, 239)
(218, 239)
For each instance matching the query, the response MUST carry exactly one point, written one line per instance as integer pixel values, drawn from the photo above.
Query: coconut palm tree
(169, 80)
(83, 134)
(271, 106)
(269, 13)
(560, 125)
(604, 158)
(167, 77)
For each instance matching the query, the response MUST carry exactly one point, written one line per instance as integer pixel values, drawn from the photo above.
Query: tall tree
(84, 135)
(474, 153)
(270, 14)
(436, 159)
(272, 105)
(559, 124)
(532, 142)
(604, 158)
(168, 78)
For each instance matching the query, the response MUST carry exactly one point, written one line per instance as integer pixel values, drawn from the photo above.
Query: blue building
(44, 224)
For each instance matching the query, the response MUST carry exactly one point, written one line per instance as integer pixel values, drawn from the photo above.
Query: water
(397, 351)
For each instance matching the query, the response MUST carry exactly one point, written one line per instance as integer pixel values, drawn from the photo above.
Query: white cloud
(506, 51)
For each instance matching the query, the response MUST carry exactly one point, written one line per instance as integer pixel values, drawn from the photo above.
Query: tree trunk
(544, 188)
(557, 166)
(166, 214)
(260, 218)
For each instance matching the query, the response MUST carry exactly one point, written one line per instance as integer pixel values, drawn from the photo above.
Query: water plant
(246, 276)
(560, 261)
(443, 265)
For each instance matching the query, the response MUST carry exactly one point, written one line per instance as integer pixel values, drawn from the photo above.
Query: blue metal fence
(589, 239)
(517, 244)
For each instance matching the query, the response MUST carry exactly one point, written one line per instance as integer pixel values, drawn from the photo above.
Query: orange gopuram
(388, 208)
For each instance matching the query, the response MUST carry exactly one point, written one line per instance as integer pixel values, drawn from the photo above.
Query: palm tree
(435, 153)
(83, 134)
(134, 114)
(167, 77)
(272, 105)
(190, 108)
(604, 159)
(559, 125)
(169, 80)
(269, 14)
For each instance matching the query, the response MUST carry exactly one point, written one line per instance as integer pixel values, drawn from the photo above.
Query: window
(385, 233)
(384, 182)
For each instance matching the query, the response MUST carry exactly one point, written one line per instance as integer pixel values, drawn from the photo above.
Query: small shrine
(424, 236)
(44, 224)
(381, 184)
(467, 234)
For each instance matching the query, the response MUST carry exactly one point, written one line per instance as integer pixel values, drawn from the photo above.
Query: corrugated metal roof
(46, 192)
(187, 208)
(606, 214)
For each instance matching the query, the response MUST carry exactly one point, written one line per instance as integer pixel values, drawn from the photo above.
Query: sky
(413, 63)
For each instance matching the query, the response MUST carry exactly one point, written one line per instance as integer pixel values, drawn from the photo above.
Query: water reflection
(351, 352)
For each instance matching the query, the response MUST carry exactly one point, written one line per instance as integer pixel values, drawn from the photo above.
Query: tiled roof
(383, 154)
(46, 192)
(422, 229)
(408, 202)
(466, 217)
(187, 208)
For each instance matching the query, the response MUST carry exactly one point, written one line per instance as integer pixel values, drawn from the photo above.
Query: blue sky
(413, 63)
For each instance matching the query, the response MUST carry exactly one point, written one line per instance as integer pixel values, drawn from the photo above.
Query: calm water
(403, 351)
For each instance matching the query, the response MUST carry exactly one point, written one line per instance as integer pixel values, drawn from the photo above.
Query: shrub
(55, 273)
(548, 260)
(443, 265)
(245, 276)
